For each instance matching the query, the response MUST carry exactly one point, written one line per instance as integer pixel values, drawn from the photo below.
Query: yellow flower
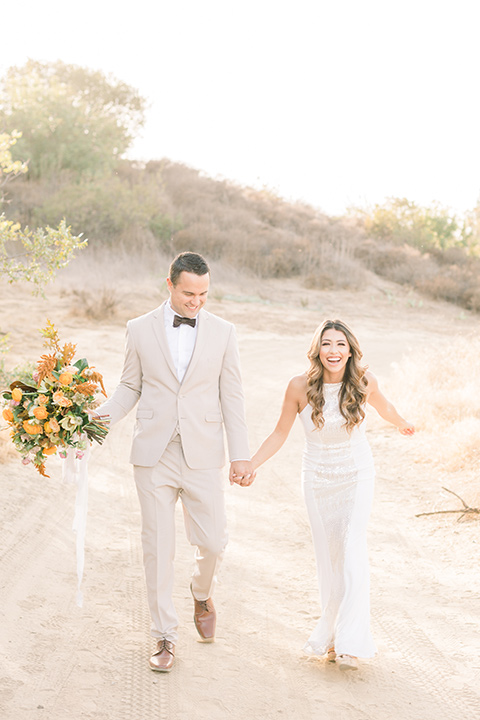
(50, 450)
(65, 378)
(7, 415)
(31, 429)
(17, 394)
(60, 399)
(40, 413)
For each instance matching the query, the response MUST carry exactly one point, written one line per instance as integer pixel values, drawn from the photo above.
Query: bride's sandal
(347, 662)
(331, 655)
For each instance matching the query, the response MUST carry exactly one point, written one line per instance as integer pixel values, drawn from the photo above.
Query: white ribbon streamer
(75, 471)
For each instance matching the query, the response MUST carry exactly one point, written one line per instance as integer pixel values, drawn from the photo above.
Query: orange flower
(7, 415)
(31, 429)
(65, 378)
(51, 426)
(42, 399)
(60, 399)
(40, 413)
(50, 450)
(17, 394)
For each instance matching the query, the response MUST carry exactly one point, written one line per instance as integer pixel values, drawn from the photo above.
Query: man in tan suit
(182, 368)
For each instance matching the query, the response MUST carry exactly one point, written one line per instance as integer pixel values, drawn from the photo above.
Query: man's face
(189, 295)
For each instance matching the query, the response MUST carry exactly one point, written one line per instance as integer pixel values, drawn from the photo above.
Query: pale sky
(333, 103)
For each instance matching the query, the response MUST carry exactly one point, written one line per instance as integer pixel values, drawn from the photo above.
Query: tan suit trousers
(202, 493)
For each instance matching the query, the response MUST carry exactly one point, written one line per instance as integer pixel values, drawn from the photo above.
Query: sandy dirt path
(59, 661)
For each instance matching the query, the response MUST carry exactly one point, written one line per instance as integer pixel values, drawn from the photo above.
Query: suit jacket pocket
(144, 414)
(215, 417)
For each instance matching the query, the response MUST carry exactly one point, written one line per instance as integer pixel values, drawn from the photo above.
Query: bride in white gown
(337, 478)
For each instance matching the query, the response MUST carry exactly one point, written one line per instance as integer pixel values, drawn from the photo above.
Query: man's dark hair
(187, 262)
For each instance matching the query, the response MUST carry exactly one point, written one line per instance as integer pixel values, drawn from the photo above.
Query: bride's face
(334, 354)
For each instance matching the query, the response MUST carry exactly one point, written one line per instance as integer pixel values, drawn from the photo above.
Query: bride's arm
(295, 396)
(384, 407)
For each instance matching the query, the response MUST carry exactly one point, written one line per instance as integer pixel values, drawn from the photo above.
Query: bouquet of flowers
(51, 413)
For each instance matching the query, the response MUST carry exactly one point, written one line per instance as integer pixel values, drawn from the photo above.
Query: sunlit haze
(332, 103)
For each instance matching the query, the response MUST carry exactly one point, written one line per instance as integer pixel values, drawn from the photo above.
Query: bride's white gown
(338, 480)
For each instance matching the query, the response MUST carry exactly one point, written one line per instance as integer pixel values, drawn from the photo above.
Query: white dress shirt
(181, 341)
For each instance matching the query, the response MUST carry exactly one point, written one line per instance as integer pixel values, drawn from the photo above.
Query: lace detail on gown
(337, 477)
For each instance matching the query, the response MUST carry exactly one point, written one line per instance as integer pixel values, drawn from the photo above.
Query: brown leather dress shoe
(162, 659)
(205, 618)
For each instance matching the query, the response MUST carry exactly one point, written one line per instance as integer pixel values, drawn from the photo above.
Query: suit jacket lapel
(200, 343)
(161, 335)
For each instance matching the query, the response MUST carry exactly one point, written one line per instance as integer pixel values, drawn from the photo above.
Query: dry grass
(441, 389)
(99, 305)
(164, 208)
(449, 275)
(263, 234)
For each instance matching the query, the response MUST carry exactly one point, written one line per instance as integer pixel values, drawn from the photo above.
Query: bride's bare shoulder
(299, 381)
(298, 386)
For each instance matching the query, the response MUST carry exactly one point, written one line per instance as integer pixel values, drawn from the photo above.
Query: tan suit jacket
(209, 399)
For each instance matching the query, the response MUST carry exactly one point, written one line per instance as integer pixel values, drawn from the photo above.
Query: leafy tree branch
(30, 255)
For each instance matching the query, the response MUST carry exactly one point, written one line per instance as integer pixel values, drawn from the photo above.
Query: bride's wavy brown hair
(353, 392)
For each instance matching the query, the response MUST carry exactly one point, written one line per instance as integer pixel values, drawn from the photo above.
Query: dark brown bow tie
(177, 320)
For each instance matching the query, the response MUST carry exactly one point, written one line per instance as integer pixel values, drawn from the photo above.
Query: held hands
(242, 473)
